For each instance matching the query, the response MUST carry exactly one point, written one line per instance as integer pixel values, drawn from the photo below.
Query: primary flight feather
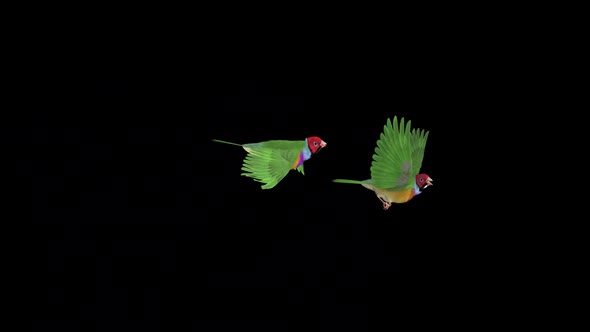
(395, 169)
(270, 161)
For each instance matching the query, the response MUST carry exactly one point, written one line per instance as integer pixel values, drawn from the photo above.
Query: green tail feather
(226, 142)
(347, 181)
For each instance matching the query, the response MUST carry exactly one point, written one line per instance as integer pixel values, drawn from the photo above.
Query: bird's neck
(303, 156)
(306, 153)
(416, 190)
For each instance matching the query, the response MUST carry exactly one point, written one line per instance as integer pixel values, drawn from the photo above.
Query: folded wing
(268, 164)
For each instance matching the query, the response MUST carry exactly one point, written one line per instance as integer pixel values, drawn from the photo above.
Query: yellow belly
(397, 196)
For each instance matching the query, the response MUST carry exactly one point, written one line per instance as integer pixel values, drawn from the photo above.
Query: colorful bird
(269, 162)
(395, 168)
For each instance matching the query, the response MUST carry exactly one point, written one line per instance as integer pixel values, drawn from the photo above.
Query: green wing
(269, 162)
(418, 140)
(398, 156)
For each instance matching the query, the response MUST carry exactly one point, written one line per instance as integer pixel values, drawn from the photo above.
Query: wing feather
(419, 138)
(268, 165)
(393, 165)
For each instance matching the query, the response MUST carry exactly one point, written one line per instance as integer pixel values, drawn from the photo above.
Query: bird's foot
(386, 204)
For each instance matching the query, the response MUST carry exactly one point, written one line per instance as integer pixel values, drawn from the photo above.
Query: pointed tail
(226, 142)
(347, 181)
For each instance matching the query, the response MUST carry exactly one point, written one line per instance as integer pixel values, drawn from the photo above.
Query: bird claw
(386, 204)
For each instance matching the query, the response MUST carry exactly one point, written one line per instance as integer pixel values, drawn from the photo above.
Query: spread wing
(418, 140)
(269, 162)
(393, 166)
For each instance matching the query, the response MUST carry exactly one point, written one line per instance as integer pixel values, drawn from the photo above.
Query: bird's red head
(423, 180)
(315, 144)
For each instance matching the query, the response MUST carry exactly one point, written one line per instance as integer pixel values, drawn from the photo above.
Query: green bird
(395, 169)
(270, 161)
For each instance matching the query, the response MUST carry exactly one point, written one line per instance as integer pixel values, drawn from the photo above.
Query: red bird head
(315, 144)
(423, 180)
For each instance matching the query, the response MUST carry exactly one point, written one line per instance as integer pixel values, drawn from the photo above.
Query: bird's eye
(421, 180)
(315, 143)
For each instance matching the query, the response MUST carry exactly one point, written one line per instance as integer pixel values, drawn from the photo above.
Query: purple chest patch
(300, 160)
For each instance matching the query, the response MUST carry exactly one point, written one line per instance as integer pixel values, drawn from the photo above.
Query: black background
(142, 223)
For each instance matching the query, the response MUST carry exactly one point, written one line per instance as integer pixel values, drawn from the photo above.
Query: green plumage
(397, 158)
(398, 155)
(269, 162)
